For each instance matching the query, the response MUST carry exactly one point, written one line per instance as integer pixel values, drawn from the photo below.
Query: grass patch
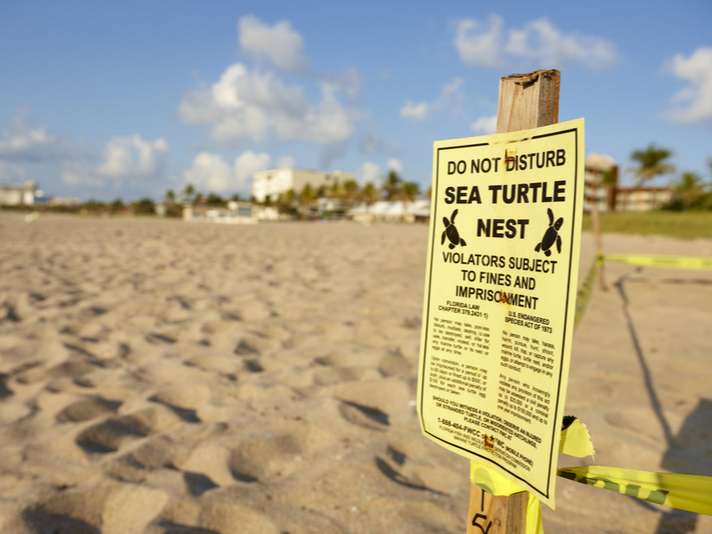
(682, 225)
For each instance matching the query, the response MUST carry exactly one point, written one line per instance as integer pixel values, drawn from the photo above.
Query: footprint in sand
(87, 409)
(186, 414)
(108, 436)
(184, 400)
(197, 483)
(245, 349)
(363, 416)
(253, 366)
(396, 474)
(5, 391)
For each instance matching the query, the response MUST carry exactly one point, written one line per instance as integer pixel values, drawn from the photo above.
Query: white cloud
(11, 173)
(132, 157)
(394, 164)
(547, 47)
(485, 125)
(248, 163)
(694, 102)
(368, 172)
(32, 144)
(538, 44)
(350, 82)
(478, 44)
(278, 44)
(249, 105)
(450, 92)
(285, 162)
(212, 173)
(415, 111)
(81, 174)
(127, 157)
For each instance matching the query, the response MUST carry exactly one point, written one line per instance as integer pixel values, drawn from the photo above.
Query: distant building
(270, 184)
(642, 198)
(18, 195)
(601, 187)
(69, 202)
(391, 211)
(235, 213)
(598, 167)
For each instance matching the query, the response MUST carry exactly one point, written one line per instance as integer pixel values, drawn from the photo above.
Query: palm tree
(287, 203)
(369, 194)
(306, 198)
(689, 186)
(170, 196)
(408, 191)
(391, 185)
(651, 163)
(188, 192)
(609, 180)
(350, 190)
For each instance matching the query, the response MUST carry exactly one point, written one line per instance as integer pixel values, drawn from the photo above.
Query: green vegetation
(682, 225)
(303, 204)
(651, 163)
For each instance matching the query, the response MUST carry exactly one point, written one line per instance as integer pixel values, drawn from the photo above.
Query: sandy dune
(166, 377)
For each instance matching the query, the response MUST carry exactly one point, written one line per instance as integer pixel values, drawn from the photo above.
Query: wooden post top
(528, 100)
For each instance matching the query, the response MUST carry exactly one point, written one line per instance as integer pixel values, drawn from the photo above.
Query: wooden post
(525, 101)
(596, 220)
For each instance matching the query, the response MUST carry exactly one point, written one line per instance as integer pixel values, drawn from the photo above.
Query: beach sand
(158, 376)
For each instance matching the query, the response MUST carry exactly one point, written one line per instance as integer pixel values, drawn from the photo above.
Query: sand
(158, 376)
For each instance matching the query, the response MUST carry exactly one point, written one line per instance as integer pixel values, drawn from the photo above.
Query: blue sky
(128, 99)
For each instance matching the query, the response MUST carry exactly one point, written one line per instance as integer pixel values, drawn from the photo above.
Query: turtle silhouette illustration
(551, 235)
(451, 232)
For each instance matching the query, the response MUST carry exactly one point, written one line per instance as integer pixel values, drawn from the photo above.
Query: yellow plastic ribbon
(686, 492)
(670, 262)
(576, 441)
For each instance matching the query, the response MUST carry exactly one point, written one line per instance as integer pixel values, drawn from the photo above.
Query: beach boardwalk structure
(500, 293)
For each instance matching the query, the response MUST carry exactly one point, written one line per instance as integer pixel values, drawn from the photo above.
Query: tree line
(345, 195)
(689, 190)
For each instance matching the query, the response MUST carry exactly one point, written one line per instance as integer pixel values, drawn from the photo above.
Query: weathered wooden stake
(596, 220)
(525, 101)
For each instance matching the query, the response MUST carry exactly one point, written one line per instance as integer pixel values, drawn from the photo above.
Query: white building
(612, 197)
(16, 195)
(275, 182)
(595, 191)
(391, 211)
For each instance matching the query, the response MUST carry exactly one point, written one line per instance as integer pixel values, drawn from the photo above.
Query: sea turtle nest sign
(500, 298)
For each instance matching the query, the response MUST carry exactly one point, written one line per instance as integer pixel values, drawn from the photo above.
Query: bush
(145, 206)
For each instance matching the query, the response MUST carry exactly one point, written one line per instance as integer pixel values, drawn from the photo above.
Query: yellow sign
(500, 298)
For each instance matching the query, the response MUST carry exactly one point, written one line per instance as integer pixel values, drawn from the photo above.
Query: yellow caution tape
(670, 262)
(686, 492)
(585, 291)
(576, 441)
(491, 481)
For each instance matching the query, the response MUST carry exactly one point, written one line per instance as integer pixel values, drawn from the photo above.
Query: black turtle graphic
(551, 235)
(451, 232)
